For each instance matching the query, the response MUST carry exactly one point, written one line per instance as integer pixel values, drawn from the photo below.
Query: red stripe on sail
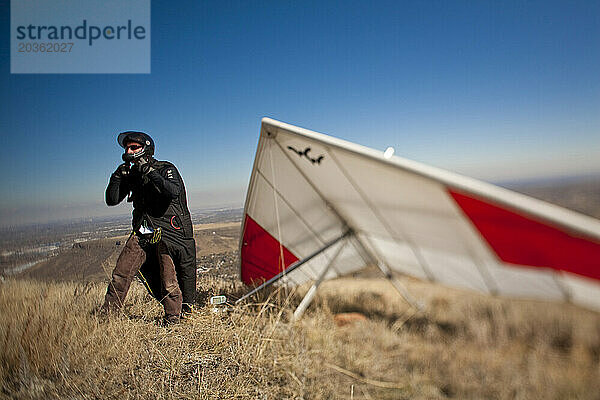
(261, 255)
(521, 240)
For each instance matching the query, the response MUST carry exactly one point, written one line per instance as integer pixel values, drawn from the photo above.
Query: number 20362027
(63, 47)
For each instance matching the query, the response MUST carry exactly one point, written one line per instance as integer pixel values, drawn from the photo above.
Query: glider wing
(307, 188)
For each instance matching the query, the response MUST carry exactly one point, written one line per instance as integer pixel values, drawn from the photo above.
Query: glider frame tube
(294, 266)
(400, 288)
(313, 289)
(387, 272)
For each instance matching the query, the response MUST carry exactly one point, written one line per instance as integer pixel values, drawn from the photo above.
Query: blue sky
(494, 90)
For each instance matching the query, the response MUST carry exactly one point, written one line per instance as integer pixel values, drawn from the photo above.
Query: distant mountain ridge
(581, 194)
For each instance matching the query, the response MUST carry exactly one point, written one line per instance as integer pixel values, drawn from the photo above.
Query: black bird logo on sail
(304, 153)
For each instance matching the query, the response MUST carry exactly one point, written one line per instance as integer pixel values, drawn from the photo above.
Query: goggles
(133, 146)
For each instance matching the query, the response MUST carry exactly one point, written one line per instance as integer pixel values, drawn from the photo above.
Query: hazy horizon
(202, 201)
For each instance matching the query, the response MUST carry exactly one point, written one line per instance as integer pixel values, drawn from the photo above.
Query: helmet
(139, 137)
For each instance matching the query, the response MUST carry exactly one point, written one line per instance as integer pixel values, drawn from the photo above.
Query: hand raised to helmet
(143, 165)
(122, 170)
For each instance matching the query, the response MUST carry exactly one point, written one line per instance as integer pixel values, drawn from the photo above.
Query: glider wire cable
(281, 263)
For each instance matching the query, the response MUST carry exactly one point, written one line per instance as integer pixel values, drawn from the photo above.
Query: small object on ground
(344, 319)
(216, 300)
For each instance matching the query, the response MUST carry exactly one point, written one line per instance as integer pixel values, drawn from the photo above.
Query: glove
(122, 170)
(143, 165)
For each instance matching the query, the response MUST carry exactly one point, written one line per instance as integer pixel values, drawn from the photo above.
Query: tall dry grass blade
(372, 382)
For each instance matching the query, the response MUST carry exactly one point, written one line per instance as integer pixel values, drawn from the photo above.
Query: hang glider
(319, 207)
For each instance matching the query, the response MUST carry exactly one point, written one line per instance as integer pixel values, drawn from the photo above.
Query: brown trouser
(157, 271)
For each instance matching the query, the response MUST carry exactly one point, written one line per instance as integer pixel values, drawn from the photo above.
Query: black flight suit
(159, 201)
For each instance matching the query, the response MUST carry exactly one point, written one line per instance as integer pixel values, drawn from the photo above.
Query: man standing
(161, 249)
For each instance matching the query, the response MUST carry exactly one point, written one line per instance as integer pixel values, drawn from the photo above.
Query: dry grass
(53, 345)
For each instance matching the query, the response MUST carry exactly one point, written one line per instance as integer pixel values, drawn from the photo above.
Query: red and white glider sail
(306, 188)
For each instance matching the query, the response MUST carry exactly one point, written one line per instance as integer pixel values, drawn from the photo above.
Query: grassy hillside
(54, 345)
(94, 260)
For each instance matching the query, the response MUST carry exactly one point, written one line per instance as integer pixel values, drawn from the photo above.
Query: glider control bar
(294, 266)
(313, 289)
